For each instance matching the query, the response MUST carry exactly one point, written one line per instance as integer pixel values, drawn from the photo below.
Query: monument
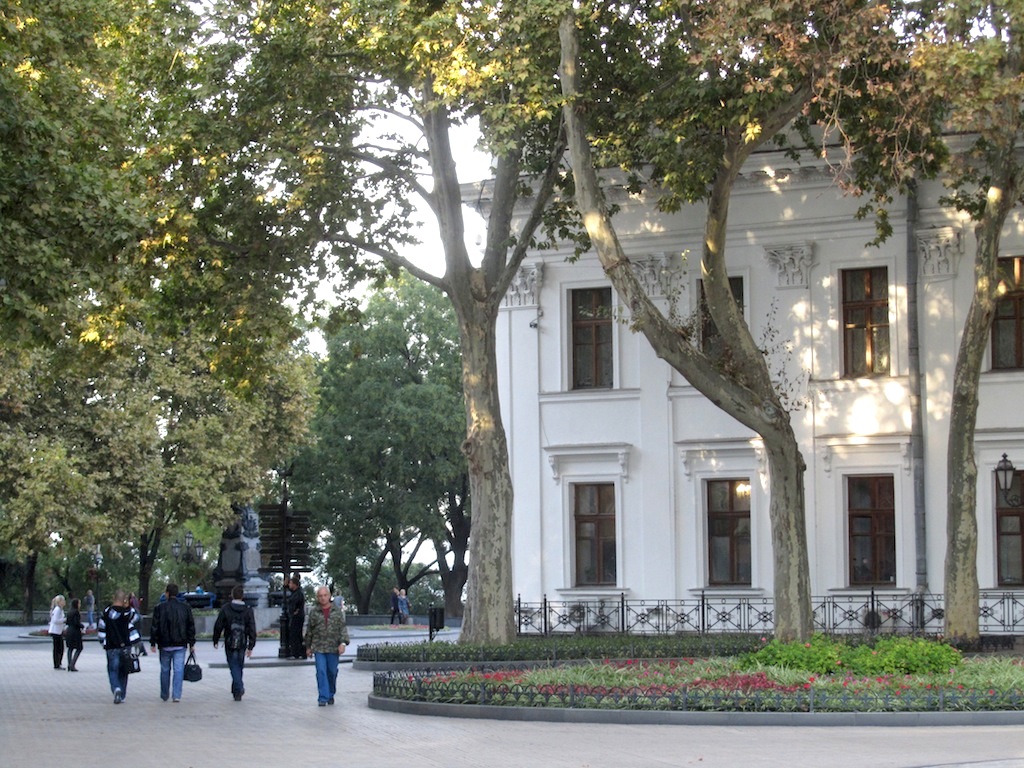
(239, 560)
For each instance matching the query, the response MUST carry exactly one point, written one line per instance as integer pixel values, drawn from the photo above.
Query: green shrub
(820, 655)
(901, 656)
(886, 656)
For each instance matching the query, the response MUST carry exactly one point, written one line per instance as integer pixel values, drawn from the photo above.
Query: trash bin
(435, 619)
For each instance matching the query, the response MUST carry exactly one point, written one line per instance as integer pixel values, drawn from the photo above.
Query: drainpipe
(916, 429)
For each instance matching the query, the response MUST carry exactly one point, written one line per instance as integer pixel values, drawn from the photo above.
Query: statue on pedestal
(239, 560)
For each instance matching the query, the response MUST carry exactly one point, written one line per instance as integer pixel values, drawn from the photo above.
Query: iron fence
(1000, 614)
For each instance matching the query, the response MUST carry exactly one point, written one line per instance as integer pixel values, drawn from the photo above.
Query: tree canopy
(386, 472)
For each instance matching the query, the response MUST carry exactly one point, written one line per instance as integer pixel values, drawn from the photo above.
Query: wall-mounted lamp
(536, 321)
(1005, 475)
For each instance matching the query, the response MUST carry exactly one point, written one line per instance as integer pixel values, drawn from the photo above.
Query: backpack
(235, 638)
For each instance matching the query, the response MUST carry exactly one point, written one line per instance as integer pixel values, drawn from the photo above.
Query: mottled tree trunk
(961, 568)
(794, 616)
(28, 583)
(149, 546)
(488, 615)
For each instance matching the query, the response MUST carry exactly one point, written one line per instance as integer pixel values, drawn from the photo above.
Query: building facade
(631, 484)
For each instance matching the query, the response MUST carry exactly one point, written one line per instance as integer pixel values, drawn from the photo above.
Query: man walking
(295, 609)
(237, 623)
(117, 631)
(326, 637)
(173, 629)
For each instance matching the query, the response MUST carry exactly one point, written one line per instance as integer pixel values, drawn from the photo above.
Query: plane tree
(680, 97)
(287, 159)
(971, 61)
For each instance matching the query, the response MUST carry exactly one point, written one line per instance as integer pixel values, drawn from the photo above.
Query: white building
(630, 484)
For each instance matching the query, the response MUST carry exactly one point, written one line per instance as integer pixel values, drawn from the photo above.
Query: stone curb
(661, 717)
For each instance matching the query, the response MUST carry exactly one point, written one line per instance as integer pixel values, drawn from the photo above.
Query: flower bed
(903, 675)
(660, 686)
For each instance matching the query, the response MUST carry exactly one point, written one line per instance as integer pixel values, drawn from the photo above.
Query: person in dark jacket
(295, 608)
(117, 630)
(173, 629)
(237, 623)
(73, 637)
(395, 613)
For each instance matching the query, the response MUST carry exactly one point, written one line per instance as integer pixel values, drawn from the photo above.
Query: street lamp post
(97, 561)
(189, 553)
(1006, 474)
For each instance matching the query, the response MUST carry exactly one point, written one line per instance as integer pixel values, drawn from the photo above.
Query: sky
(471, 165)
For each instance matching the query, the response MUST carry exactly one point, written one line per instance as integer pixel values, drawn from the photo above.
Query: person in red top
(325, 638)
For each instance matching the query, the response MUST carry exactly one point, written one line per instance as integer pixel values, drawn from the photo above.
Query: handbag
(193, 672)
(130, 661)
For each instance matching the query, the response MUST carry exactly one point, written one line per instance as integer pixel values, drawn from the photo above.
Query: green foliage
(69, 215)
(888, 655)
(820, 655)
(386, 468)
(902, 655)
(570, 647)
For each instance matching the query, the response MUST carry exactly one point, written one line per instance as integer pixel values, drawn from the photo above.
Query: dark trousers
(236, 661)
(295, 646)
(58, 650)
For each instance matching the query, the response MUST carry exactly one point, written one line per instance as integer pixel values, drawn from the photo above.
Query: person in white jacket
(56, 629)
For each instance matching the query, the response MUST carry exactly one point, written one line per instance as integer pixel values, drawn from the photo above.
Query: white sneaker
(118, 696)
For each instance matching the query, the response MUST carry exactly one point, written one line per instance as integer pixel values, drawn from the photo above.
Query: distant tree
(386, 473)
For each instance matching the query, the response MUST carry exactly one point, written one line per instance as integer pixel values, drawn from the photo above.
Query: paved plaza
(52, 717)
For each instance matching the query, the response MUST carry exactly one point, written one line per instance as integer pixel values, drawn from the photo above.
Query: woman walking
(74, 635)
(56, 629)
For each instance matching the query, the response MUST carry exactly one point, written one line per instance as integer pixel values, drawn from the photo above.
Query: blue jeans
(326, 675)
(169, 657)
(118, 676)
(236, 660)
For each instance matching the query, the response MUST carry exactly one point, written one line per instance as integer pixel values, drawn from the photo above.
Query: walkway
(53, 717)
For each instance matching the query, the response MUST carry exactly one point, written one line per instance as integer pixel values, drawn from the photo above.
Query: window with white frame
(728, 515)
(1008, 323)
(1010, 536)
(866, 322)
(871, 520)
(592, 350)
(594, 533)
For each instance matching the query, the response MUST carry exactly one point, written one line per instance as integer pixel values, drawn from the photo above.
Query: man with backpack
(237, 623)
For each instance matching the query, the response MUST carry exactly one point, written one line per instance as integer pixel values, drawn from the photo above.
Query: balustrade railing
(873, 612)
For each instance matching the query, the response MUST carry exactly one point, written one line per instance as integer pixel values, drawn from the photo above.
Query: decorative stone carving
(792, 262)
(525, 288)
(939, 251)
(656, 273)
(599, 452)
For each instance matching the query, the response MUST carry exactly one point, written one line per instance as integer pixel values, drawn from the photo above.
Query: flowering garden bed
(896, 675)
